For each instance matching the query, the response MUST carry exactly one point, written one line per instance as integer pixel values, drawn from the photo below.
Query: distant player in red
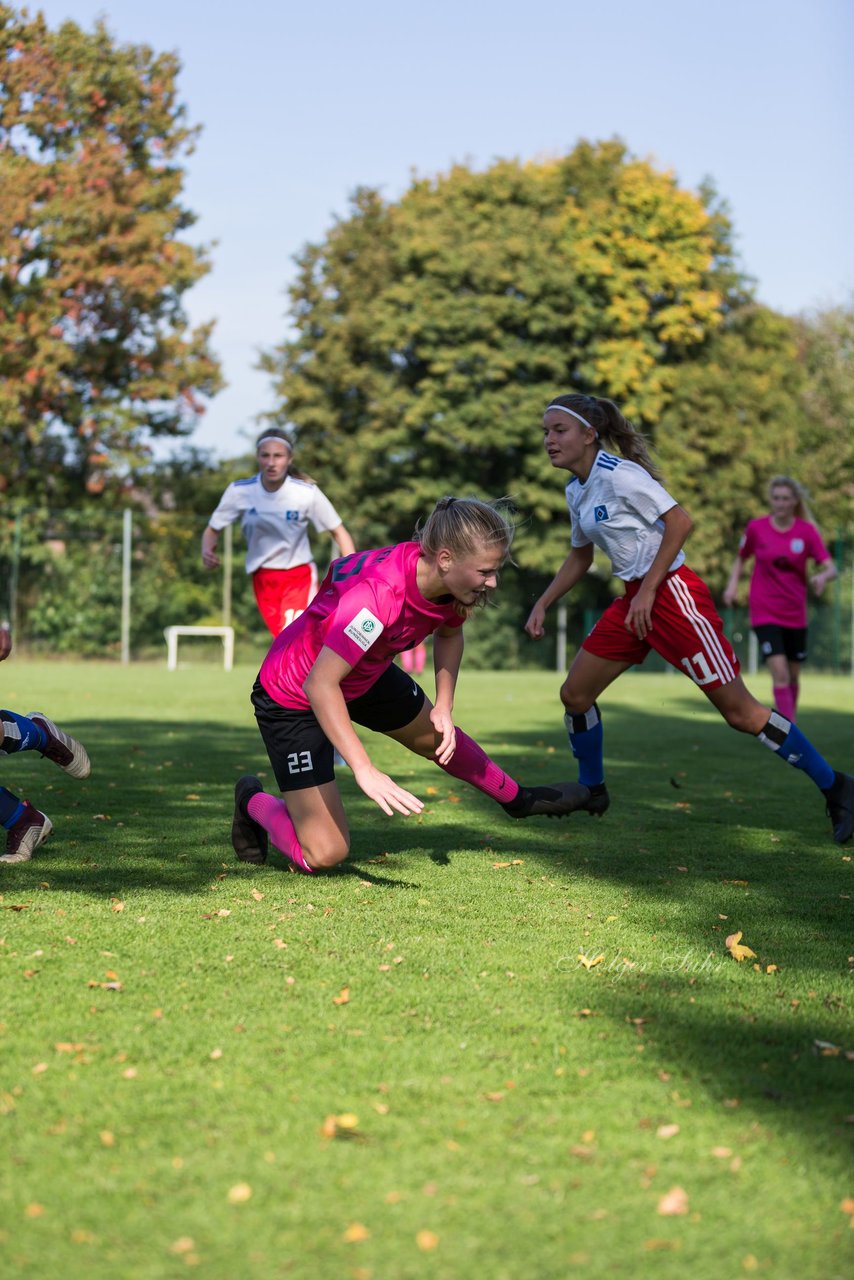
(275, 508)
(617, 502)
(335, 665)
(782, 545)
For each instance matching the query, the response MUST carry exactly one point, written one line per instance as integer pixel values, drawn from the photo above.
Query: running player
(275, 508)
(782, 544)
(335, 665)
(27, 827)
(616, 501)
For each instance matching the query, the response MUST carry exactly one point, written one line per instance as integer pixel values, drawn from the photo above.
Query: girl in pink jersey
(782, 545)
(616, 501)
(335, 665)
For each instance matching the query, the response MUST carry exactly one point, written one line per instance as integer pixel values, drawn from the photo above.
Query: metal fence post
(127, 535)
(227, 570)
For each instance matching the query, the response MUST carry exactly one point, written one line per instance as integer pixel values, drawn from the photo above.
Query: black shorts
(299, 750)
(789, 641)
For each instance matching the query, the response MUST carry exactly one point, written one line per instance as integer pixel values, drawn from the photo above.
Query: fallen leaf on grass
(657, 1244)
(342, 1126)
(212, 915)
(239, 1193)
(355, 1232)
(16, 906)
(184, 1244)
(847, 1206)
(34, 1210)
(343, 996)
(737, 949)
(118, 905)
(257, 896)
(673, 1202)
(427, 1240)
(107, 1139)
(667, 1131)
(192, 796)
(587, 962)
(722, 1153)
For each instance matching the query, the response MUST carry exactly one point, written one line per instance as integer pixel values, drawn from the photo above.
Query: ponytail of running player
(334, 666)
(617, 502)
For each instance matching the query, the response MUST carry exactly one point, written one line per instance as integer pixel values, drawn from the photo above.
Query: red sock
(273, 816)
(470, 763)
(784, 701)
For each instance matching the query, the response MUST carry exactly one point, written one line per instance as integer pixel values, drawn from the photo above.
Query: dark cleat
(248, 838)
(25, 835)
(551, 802)
(61, 748)
(599, 801)
(840, 807)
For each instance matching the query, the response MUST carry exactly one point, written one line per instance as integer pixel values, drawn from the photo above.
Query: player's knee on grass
(326, 855)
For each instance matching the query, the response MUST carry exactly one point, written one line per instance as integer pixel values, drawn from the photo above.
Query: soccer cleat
(840, 807)
(61, 748)
(248, 839)
(25, 835)
(599, 801)
(551, 802)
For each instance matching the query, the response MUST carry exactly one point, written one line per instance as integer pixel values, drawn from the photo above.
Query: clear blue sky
(300, 103)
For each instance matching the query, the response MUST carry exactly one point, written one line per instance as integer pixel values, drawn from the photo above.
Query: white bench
(225, 633)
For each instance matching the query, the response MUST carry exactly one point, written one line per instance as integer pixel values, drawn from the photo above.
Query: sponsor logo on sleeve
(600, 514)
(364, 629)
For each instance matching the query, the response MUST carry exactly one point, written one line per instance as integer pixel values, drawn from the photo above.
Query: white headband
(275, 440)
(573, 414)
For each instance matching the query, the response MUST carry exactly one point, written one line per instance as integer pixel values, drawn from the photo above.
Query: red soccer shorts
(686, 630)
(283, 594)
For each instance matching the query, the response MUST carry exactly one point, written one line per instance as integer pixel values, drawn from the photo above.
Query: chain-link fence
(106, 584)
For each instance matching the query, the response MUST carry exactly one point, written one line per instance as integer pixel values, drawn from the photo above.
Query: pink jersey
(367, 609)
(778, 587)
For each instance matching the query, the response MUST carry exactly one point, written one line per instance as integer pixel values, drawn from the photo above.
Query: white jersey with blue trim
(619, 508)
(275, 522)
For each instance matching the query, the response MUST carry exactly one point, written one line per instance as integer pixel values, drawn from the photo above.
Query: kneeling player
(335, 665)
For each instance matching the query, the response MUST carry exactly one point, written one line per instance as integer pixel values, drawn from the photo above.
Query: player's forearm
(327, 703)
(677, 525)
(570, 572)
(210, 540)
(447, 658)
(343, 541)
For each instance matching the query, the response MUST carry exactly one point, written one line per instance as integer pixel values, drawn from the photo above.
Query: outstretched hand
(444, 726)
(385, 792)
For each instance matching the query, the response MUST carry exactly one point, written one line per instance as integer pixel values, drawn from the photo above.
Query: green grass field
(419, 1066)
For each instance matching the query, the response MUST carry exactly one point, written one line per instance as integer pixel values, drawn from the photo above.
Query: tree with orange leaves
(96, 354)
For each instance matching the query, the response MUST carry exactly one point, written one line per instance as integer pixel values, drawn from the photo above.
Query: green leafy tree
(97, 356)
(431, 332)
(732, 421)
(826, 441)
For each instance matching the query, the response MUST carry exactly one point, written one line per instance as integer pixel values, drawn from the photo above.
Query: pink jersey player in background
(334, 666)
(782, 544)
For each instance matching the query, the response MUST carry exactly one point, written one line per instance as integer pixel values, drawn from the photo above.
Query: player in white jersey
(616, 501)
(275, 508)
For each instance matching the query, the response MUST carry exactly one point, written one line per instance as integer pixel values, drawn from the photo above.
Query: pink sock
(794, 689)
(784, 701)
(470, 763)
(273, 816)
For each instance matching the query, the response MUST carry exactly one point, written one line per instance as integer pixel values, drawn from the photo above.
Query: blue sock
(20, 734)
(11, 808)
(792, 746)
(585, 738)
